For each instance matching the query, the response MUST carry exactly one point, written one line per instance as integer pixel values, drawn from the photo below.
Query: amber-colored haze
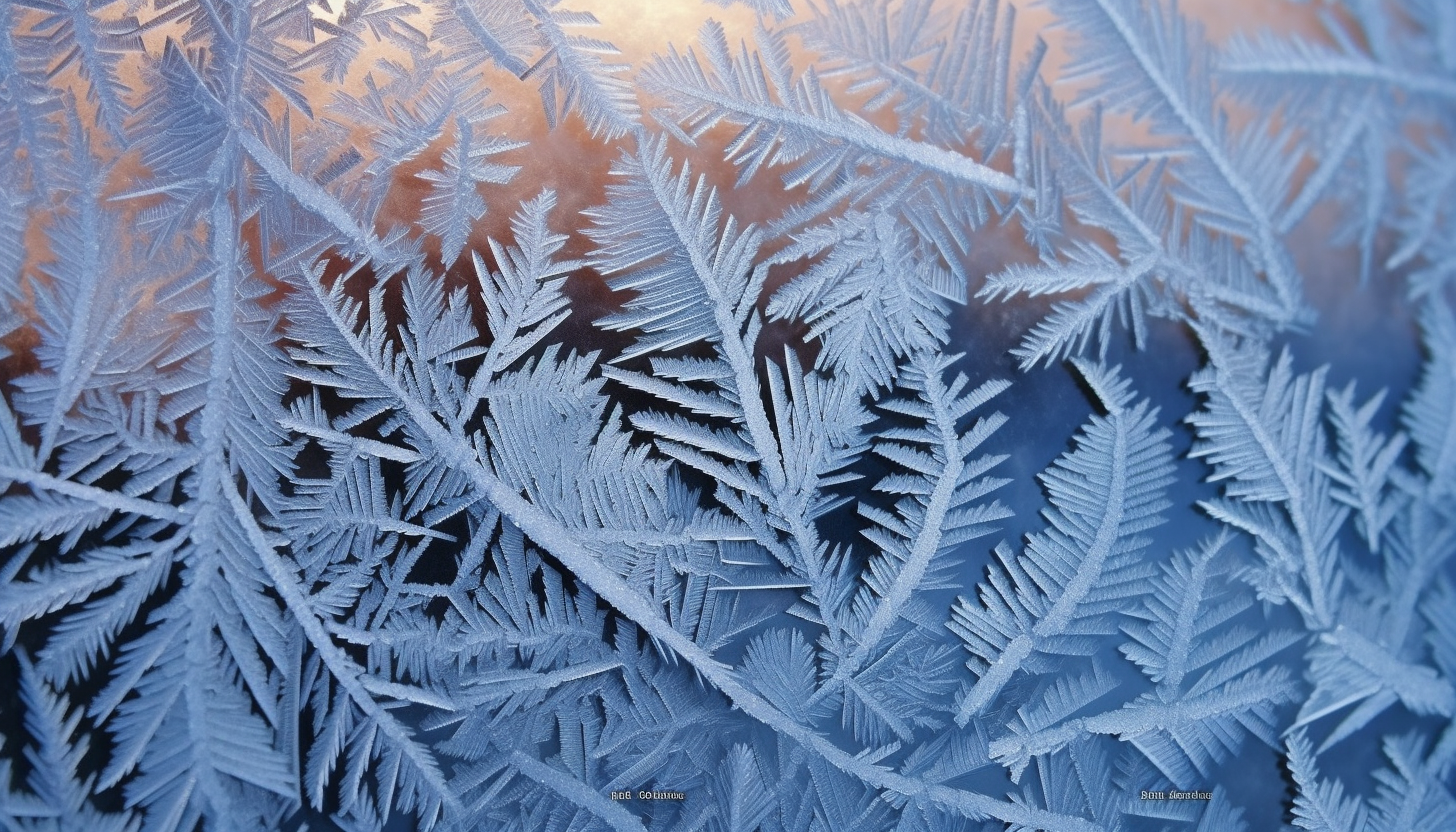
(568, 159)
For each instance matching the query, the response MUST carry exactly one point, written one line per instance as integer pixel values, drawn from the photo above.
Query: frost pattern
(320, 512)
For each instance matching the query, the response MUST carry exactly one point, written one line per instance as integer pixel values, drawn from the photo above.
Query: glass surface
(761, 415)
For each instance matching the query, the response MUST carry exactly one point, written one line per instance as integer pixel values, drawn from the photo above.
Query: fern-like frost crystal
(874, 415)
